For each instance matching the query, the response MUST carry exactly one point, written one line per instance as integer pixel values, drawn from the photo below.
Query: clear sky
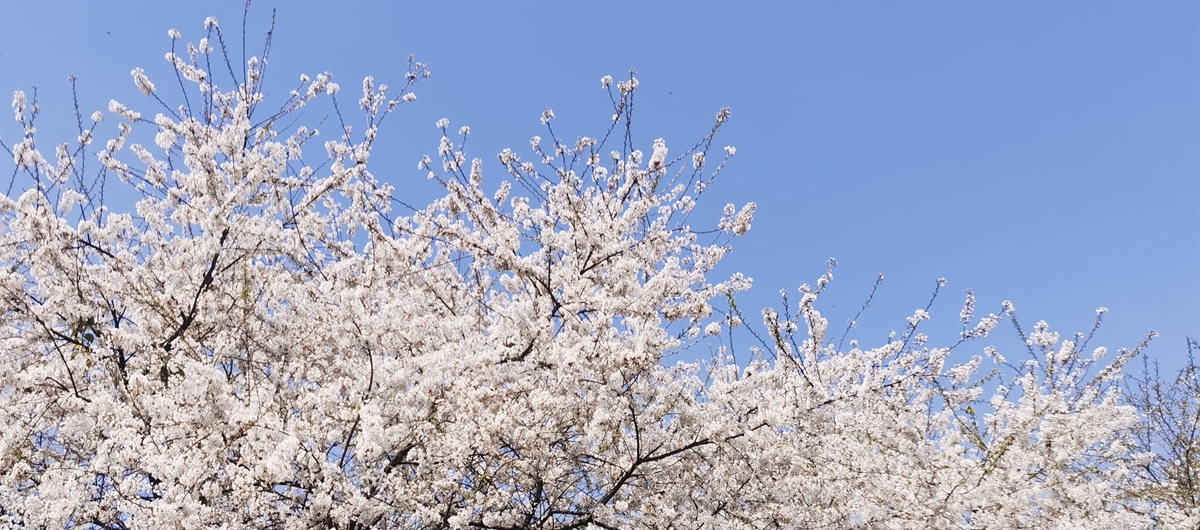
(1044, 153)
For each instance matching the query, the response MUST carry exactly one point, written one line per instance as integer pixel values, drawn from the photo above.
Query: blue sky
(1044, 153)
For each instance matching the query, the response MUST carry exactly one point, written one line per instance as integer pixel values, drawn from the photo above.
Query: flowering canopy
(266, 342)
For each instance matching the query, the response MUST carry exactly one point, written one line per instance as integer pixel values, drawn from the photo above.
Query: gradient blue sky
(1044, 153)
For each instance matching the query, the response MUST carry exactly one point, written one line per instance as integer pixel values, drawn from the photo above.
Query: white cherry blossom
(265, 341)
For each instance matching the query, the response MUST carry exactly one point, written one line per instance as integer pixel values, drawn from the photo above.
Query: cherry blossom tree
(1169, 434)
(271, 338)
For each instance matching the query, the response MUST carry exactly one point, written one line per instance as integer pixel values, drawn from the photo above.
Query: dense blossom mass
(271, 339)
